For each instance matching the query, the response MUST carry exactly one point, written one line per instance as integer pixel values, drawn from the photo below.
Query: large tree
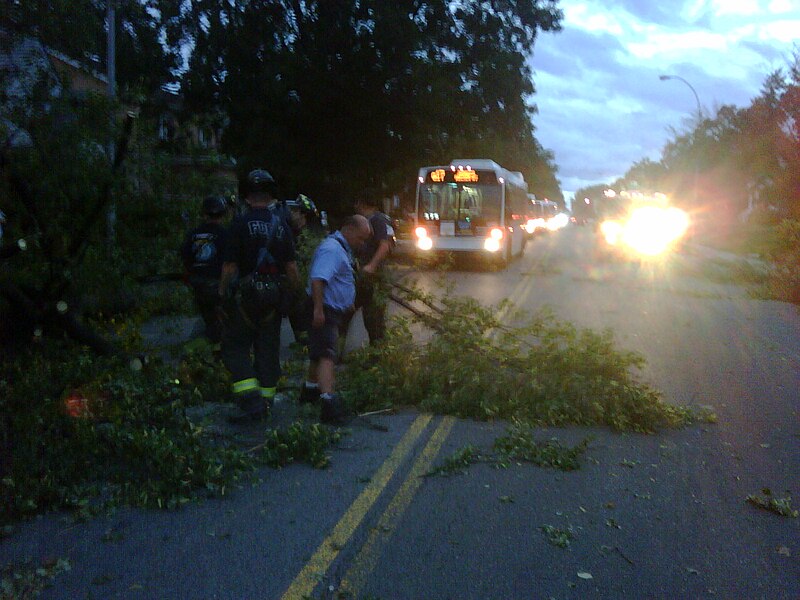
(339, 95)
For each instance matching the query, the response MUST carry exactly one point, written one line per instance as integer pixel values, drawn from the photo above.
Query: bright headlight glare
(491, 244)
(650, 230)
(559, 221)
(496, 233)
(421, 232)
(424, 243)
(612, 231)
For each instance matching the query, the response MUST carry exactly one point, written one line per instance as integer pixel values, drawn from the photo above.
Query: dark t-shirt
(381, 230)
(203, 250)
(252, 231)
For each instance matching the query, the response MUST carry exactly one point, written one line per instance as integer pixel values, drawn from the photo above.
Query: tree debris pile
(543, 372)
(87, 433)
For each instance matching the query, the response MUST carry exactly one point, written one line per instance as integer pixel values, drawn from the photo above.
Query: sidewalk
(710, 253)
(165, 334)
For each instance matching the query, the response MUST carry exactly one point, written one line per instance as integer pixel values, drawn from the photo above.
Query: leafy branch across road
(543, 371)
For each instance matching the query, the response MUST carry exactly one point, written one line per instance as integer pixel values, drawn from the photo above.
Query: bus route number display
(460, 176)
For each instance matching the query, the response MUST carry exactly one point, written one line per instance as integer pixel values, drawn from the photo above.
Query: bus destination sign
(461, 176)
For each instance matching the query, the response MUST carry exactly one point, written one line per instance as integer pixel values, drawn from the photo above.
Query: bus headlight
(491, 244)
(496, 233)
(424, 243)
(558, 222)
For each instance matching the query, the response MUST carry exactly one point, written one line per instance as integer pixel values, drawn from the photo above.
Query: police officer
(370, 296)
(259, 235)
(202, 252)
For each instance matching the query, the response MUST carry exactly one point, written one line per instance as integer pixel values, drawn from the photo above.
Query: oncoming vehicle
(471, 205)
(644, 224)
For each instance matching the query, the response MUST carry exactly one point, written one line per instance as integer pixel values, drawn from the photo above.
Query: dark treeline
(335, 97)
(341, 95)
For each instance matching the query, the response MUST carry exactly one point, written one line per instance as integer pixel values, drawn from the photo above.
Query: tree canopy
(338, 96)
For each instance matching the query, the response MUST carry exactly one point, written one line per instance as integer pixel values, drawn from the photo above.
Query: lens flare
(612, 231)
(651, 230)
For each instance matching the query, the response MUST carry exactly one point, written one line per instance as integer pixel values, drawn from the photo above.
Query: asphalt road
(659, 516)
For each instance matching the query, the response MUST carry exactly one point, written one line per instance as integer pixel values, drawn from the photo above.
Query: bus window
(470, 205)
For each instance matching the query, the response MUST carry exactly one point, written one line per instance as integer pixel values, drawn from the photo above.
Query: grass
(744, 239)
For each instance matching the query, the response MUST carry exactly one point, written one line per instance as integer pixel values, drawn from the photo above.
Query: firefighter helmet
(259, 180)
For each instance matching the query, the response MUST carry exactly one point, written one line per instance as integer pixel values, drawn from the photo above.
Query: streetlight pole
(699, 119)
(696, 97)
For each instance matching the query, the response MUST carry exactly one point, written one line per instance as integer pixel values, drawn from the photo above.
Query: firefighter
(308, 230)
(261, 254)
(303, 215)
(202, 252)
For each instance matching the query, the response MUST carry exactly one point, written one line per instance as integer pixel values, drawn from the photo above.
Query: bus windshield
(468, 204)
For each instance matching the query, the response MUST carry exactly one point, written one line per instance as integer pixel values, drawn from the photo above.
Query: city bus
(471, 206)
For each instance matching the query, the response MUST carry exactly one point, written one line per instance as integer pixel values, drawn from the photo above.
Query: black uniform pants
(206, 298)
(251, 351)
(373, 308)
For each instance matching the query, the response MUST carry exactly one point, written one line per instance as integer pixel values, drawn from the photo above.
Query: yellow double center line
(319, 563)
(367, 557)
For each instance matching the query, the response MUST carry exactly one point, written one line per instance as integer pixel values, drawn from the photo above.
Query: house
(189, 146)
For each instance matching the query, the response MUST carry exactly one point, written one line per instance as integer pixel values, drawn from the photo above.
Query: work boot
(251, 407)
(333, 411)
(308, 395)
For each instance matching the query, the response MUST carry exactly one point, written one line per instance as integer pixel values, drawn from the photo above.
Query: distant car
(543, 216)
(645, 226)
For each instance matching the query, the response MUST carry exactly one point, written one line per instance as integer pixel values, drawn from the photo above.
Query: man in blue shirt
(332, 290)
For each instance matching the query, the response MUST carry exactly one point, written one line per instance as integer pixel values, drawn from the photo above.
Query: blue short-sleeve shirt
(332, 263)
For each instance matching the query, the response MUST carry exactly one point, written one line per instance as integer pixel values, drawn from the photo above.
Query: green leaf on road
(779, 506)
(557, 536)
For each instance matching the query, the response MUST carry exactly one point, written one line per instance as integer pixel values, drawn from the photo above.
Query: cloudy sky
(601, 103)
